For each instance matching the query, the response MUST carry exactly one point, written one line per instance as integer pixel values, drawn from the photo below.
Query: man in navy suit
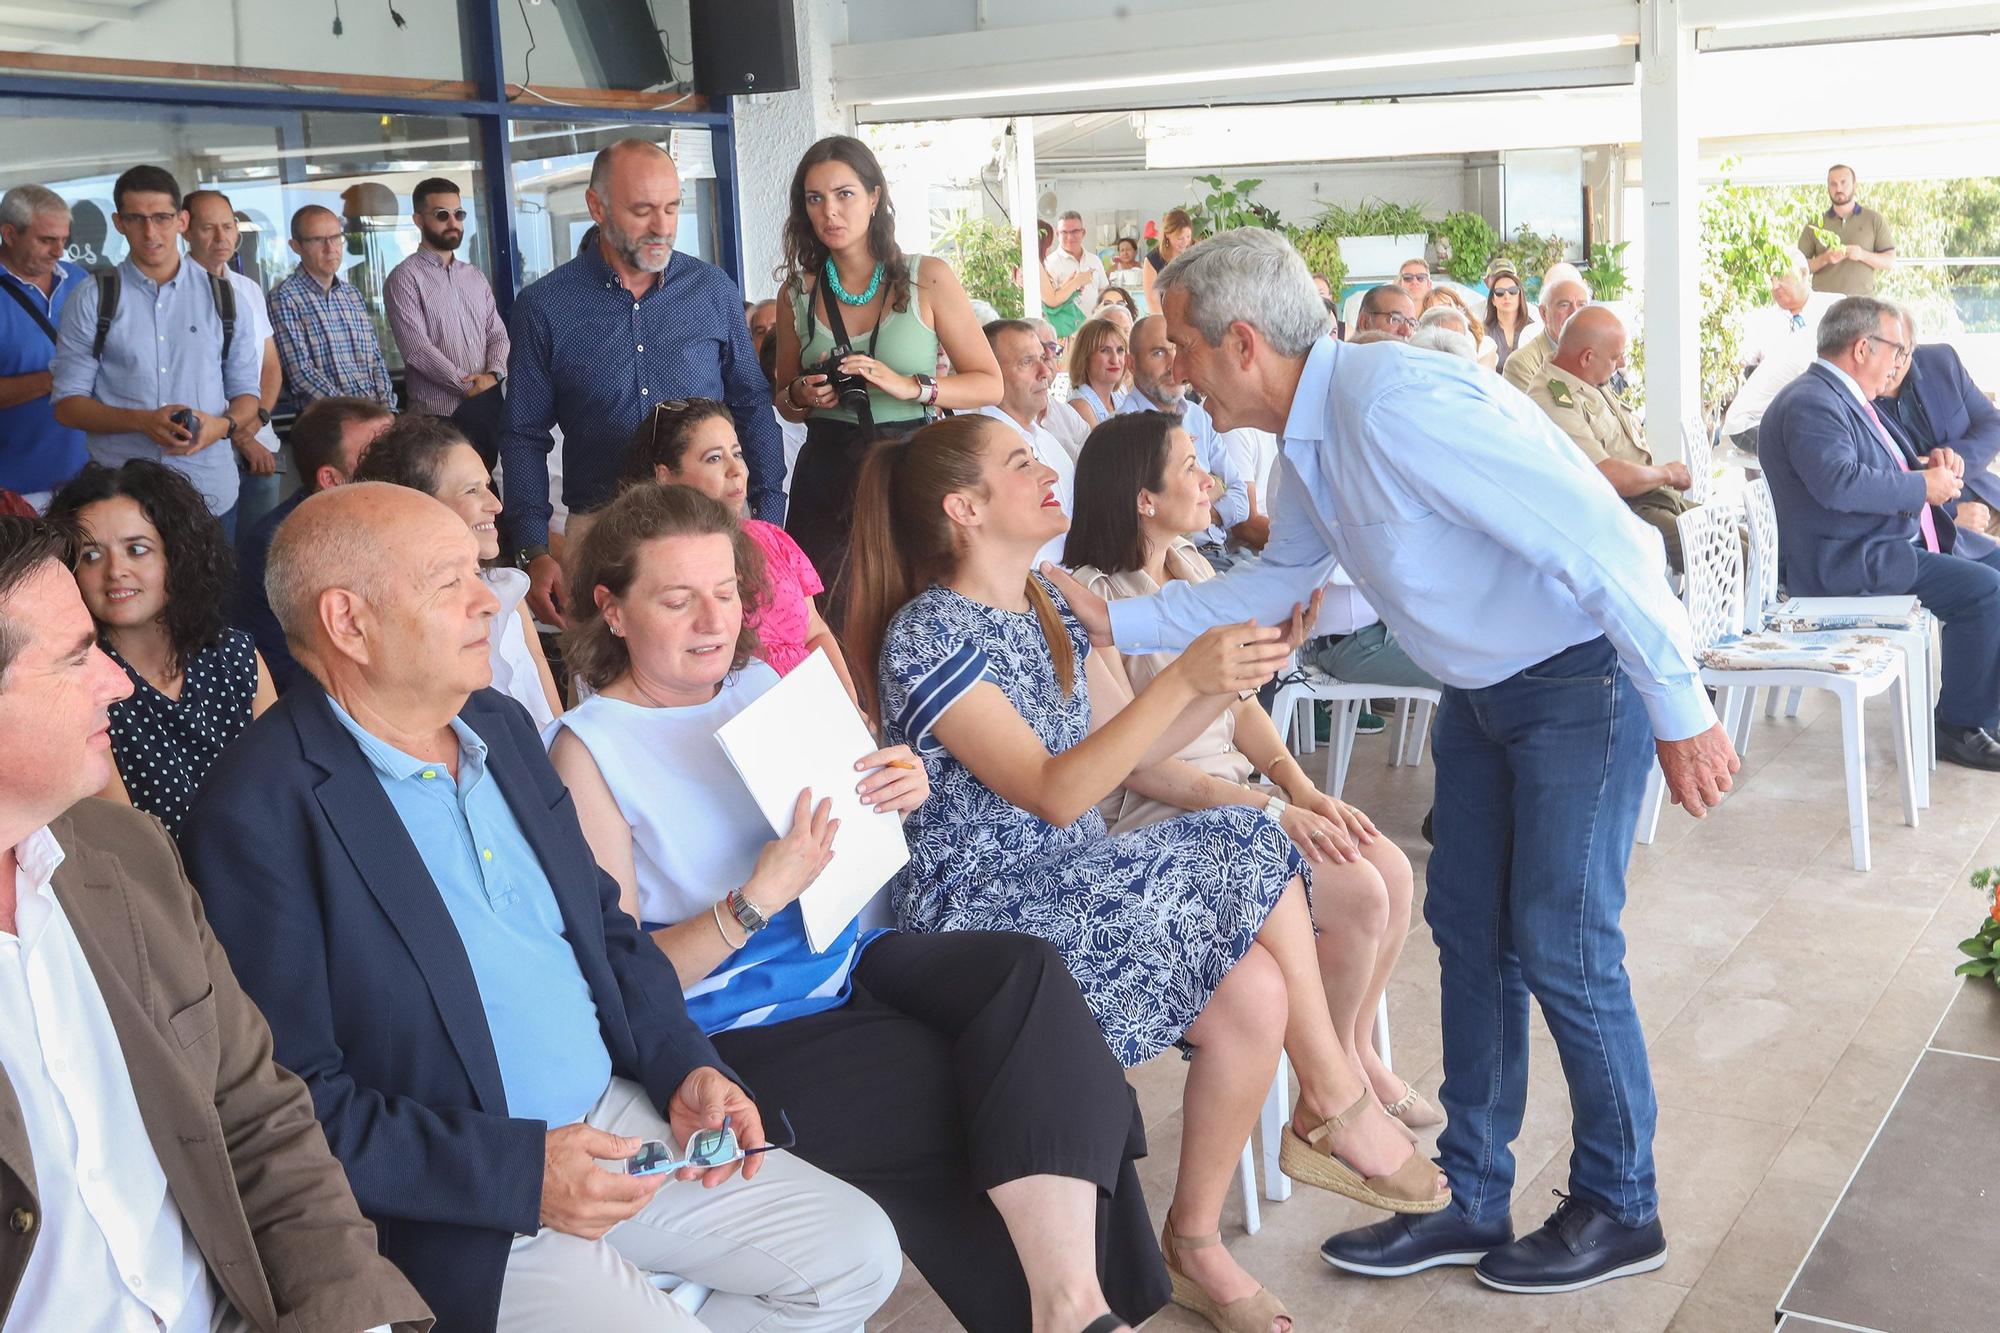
(399, 877)
(1932, 401)
(1860, 514)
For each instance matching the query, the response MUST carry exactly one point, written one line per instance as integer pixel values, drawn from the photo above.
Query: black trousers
(819, 512)
(962, 1061)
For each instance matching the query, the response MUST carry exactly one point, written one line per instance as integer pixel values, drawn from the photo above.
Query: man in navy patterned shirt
(600, 341)
(326, 337)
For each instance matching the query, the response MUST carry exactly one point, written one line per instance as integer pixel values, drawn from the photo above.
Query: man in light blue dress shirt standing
(1512, 573)
(164, 354)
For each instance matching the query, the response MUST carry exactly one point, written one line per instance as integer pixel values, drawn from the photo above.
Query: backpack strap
(224, 293)
(108, 287)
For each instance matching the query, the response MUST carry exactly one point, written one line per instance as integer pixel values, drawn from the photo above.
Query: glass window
(552, 170)
(270, 164)
(409, 49)
(629, 45)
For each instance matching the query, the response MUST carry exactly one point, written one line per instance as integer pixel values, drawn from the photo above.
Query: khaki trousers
(792, 1249)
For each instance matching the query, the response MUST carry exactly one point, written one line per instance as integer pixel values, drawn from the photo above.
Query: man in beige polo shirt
(1865, 247)
(1570, 387)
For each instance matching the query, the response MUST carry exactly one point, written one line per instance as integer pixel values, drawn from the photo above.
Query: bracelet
(1276, 808)
(715, 910)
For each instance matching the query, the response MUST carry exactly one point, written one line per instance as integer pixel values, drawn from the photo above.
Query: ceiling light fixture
(1289, 69)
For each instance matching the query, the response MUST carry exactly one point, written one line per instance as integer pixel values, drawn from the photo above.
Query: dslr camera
(853, 390)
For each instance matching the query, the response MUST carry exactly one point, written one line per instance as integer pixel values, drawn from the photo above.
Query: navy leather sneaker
(1405, 1243)
(1579, 1246)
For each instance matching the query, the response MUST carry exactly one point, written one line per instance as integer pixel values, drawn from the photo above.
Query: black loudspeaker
(744, 46)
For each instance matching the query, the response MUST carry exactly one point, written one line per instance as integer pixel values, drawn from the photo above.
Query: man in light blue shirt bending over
(1513, 574)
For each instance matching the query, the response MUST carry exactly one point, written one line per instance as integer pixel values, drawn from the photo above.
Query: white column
(773, 131)
(1022, 206)
(1668, 154)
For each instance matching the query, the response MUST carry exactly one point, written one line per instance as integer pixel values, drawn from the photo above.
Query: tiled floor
(1785, 998)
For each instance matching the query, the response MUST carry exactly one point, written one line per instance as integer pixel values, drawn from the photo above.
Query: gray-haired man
(37, 453)
(1513, 574)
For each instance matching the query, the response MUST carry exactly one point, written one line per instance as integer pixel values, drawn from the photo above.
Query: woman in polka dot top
(156, 572)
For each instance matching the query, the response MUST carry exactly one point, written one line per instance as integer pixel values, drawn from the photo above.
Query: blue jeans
(1965, 595)
(1538, 786)
(227, 518)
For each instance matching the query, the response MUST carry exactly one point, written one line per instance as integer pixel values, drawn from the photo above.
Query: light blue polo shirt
(546, 1037)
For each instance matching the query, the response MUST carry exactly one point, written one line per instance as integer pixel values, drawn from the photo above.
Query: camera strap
(838, 328)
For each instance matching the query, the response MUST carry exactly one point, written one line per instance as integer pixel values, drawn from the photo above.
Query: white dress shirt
(1050, 451)
(253, 309)
(114, 1254)
(1781, 346)
(1061, 264)
(1485, 539)
(1062, 421)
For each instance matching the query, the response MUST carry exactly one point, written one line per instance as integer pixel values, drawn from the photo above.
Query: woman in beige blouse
(1139, 491)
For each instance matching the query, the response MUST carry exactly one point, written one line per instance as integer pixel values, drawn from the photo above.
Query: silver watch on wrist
(1276, 808)
(747, 913)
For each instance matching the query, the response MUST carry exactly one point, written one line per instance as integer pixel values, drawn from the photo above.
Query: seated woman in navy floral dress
(156, 572)
(1195, 930)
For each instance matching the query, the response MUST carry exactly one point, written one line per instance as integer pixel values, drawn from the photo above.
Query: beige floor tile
(911, 1292)
(1829, 956)
(1740, 1288)
(926, 1315)
(1631, 1305)
(1836, 1128)
(1756, 1057)
(1708, 1167)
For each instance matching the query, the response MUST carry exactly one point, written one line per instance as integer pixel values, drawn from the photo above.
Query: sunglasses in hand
(706, 1150)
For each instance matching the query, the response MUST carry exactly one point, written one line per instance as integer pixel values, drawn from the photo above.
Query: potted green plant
(1606, 274)
(1982, 950)
(1464, 242)
(985, 254)
(1376, 237)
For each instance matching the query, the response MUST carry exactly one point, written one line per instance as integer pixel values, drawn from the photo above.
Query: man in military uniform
(1561, 298)
(1570, 388)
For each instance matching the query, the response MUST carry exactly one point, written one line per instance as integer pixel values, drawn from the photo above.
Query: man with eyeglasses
(447, 327)
(160, 380)
(1070, 258)
(1859, 515)
(1059, 419)
(326, 338)
(1387, 310)
(1561, 298)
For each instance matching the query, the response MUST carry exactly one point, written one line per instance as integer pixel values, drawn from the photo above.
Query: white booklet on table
(805, 733)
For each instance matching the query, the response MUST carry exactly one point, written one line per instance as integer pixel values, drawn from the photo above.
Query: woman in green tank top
(897, 311)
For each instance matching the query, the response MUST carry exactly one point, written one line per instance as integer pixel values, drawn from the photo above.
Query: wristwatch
(527, 555)
(746, 913)
(926, 389)
(263, 415)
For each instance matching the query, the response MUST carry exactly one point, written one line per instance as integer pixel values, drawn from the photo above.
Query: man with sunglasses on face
(326, 337)
(1414, 277)
(447, 327)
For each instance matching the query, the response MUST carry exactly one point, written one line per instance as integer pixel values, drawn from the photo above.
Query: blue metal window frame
(491, 111)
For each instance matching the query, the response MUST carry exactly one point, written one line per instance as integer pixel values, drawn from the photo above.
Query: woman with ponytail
(1194, 931)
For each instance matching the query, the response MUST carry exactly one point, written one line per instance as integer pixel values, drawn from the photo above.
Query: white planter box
(1380, 256)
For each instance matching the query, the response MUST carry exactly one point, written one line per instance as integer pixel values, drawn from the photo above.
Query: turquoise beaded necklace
(847, 298)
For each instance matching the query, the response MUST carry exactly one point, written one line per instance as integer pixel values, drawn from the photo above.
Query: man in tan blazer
(157, 1170)
(1571, 388)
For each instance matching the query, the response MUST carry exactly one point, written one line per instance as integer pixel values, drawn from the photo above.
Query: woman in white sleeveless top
(959, 1081)
(431, 455)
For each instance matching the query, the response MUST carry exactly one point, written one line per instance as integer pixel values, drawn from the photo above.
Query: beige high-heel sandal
(1246, 1314)
(1410, 1188)
(1414, 1110)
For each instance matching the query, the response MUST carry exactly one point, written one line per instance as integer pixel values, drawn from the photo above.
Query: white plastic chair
(1761, 599)
(1271, 1130)
(1699, 454)
(1301, 686)
(1713, 558)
